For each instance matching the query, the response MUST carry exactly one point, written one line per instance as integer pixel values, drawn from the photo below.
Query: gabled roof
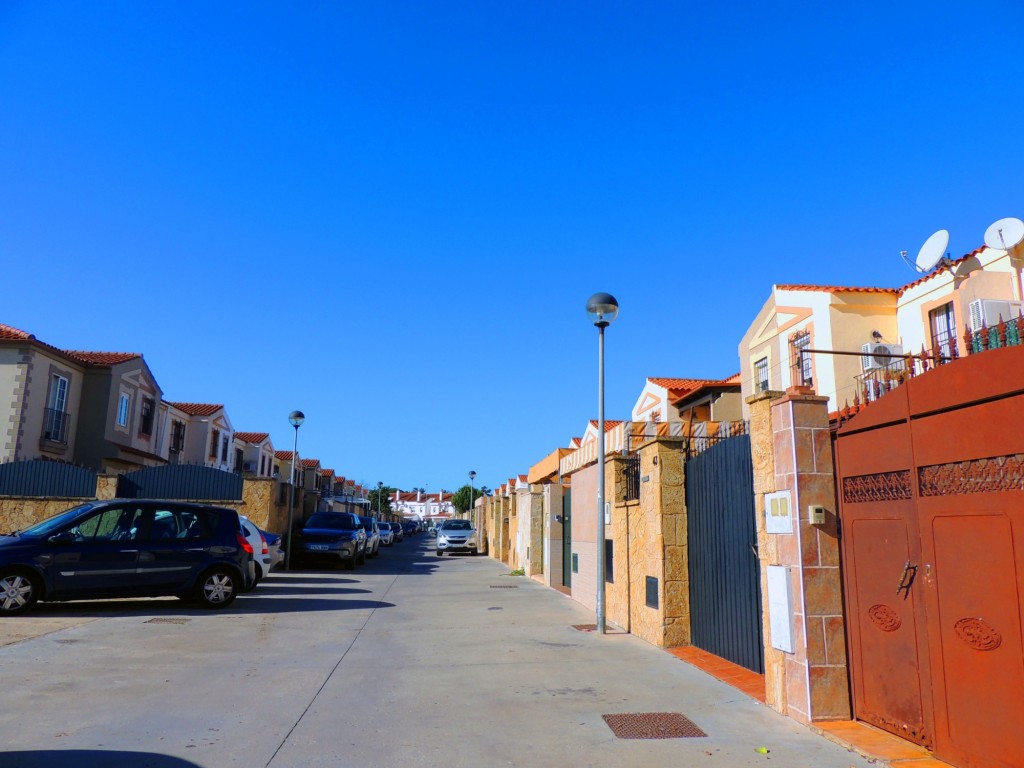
(200, 409)
(608, 425)
(309, 463)
(680, 394)
(893, 291)
(283, 455)
(255, 438)
(326, 473)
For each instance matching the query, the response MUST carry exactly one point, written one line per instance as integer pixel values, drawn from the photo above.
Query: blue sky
(390, 215)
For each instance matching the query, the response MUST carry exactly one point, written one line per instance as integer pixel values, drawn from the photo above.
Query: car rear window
(337, 522)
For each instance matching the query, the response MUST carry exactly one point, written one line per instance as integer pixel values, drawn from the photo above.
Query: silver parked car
(456, 536)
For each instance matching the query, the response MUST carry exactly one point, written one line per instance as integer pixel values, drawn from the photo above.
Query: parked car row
(146, 548)
(346, 538)
(128, 548)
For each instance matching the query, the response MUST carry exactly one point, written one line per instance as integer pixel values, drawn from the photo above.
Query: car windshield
(366, 523)
(49, 526)
(332, 521)
(457, 525)
(384, 526)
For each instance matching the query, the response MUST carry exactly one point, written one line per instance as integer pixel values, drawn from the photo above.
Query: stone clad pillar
(800, 579)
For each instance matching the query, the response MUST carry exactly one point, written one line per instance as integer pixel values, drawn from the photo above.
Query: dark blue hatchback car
(127, 548)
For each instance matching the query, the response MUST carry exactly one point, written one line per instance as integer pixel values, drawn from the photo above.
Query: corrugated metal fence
(181, 481)
(46, 479)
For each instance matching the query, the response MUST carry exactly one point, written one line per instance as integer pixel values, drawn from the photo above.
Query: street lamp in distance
(295, 418)
(472, 492)
(602, 309)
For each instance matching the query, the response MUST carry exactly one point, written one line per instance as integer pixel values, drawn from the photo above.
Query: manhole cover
(169, 621)
(504, 586)
(653, 725)
(585, 627)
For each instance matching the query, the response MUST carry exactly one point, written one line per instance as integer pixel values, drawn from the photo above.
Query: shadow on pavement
(90, 758)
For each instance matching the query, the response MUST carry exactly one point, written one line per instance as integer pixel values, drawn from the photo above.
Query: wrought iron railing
(55, 426)
(631, 478)
(1008, 333)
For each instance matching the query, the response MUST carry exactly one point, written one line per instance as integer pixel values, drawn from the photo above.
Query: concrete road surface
(412, 660)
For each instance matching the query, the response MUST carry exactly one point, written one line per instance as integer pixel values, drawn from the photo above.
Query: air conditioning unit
(877, 356)
(990, 313)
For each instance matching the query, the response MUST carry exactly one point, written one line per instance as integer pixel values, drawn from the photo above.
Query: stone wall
(258, 504)
(553, 494)
(792, 454)
(658, 546)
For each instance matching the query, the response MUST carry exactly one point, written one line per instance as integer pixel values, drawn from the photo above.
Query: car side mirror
(64, 537)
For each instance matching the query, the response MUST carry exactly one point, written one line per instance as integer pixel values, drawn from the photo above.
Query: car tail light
(264, 540)
(244, 542)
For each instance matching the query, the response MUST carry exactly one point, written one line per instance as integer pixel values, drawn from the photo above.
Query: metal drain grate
(585, 627)
(653, 725)
(504, 586)
(169, 621)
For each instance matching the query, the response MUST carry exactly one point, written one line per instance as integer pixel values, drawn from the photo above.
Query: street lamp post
(295, 418)
(380, 507)
(472, 492)
(602, 308)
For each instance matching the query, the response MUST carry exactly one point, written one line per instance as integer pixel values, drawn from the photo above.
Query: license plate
(318, 547)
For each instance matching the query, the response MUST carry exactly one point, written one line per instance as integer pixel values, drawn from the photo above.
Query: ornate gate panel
(933, 474)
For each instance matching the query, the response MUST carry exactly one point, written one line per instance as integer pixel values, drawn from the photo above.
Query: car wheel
(350, 564)
(361, 558)
(255, 581)
(18, 590)
(218, 587)
(440, 552)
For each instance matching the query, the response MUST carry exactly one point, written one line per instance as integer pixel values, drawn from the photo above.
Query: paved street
(412, 660)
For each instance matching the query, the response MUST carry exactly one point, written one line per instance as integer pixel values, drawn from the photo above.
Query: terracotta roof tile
(10, 332)
(101, 358)
(252, 437)
(326, 473)
(837, 289)
(608, 424)
(309, 463)
(283, 455)
(199, 409)
(952, 265)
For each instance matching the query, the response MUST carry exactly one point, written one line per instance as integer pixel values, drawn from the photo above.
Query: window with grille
(147, 416)
(802, 360)
(177, 436)
(214, 443)
(761, 374)
(943, 328)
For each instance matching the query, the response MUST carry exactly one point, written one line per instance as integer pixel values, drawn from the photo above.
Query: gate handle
(908, 570)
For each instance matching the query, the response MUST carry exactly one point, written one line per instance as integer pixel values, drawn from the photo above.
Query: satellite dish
(932, 252)
(1004, 234)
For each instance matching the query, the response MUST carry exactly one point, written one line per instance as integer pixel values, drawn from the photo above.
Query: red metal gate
(931, 487)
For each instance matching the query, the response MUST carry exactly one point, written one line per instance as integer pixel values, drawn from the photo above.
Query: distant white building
(417, 505)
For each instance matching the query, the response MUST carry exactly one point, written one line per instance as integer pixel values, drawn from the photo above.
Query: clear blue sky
(390, 215)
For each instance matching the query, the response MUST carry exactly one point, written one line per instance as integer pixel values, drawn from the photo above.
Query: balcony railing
(1006, 334)
(55, 426)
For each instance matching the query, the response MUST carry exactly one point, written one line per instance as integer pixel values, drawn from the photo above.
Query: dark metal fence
(631, 478)
(725, 590)
(181, 481)
(46, 479)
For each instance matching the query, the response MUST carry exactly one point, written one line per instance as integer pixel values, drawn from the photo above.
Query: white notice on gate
(780, 607)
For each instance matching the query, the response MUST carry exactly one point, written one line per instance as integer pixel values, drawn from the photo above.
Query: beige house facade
(40, 398)
(208, 434)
